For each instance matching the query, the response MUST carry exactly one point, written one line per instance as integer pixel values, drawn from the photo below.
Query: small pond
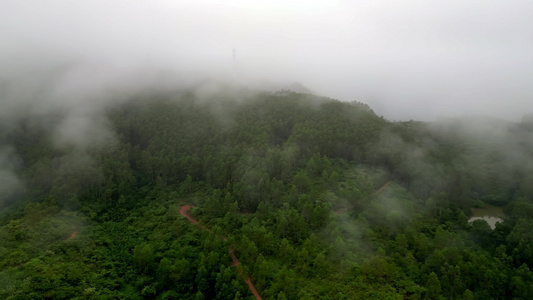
(490, 213)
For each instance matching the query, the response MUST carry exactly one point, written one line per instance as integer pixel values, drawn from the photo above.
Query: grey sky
(406, 59)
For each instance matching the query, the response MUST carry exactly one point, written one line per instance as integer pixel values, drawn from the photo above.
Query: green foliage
(319, 199)
(143, 256)
(433, 286)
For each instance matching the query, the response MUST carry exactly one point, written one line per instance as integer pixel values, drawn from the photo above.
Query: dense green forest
(319, 199)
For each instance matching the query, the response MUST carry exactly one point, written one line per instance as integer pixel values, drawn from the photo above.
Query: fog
(407, 60)
(10, 184)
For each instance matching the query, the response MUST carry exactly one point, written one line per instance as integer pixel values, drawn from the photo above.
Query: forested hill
(318, 198)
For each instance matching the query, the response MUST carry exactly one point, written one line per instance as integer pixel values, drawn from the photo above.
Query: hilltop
(317, 198)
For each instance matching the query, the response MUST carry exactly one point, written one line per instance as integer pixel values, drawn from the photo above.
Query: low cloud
(10, 183)
(416, 61)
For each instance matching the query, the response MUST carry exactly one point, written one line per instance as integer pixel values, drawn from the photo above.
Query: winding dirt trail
(72, 235)
(382, 188)
(234, 259)
(338, 211)
(183, 212)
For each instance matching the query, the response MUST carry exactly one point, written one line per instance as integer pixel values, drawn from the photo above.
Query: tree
(433, 286)
(163, 270)
(143, 255)
(468, 295)
(281, 296)
(199, 296)
(518, 287)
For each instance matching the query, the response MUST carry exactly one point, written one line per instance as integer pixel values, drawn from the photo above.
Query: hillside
(318, 199)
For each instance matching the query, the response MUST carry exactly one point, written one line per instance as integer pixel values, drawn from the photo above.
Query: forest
(315, 198)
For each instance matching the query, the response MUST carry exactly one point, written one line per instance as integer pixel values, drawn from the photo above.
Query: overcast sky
(406, 59)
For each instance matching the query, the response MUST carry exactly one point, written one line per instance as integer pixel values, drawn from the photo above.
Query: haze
(406, 59)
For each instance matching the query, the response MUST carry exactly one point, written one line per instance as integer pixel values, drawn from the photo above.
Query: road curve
(338, 211)
(234, 259)
(382, 188)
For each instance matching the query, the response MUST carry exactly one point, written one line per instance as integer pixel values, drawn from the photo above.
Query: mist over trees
(213, 149)
(318, 198)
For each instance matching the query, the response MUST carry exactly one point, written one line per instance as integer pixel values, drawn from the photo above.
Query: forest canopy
(317, 198)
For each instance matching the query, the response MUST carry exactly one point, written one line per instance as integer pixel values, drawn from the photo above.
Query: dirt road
(382, 188)
(338, 211)
(234, 259)
(72, 235)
